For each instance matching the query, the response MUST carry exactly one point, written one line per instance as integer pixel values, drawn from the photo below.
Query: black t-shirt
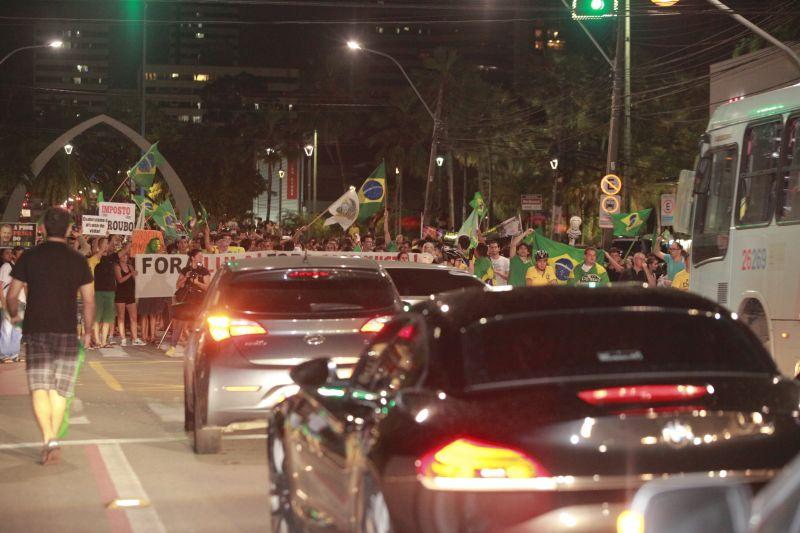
(104, 279)
(614, 275)
(632, 275)
(54, 273)
(195, 293)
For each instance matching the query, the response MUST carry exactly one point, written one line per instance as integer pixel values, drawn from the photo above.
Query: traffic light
(594, 9)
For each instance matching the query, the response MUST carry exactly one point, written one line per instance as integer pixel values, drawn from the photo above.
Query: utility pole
(143, 111)
(314, 175)
(626, 144)
(616, 107)
(432, 157)
(451, 221)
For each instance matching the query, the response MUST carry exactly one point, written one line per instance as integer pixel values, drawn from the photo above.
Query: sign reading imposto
(94, 226)
(667, 209)
(611, 184)
(120, 217)
(531, 202)
(609, 205)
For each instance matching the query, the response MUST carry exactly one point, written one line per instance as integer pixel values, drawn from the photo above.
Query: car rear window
(309, 292)
(420, 282)
(601, 342)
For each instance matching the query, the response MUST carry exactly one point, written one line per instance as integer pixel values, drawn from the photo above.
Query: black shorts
(52, 361)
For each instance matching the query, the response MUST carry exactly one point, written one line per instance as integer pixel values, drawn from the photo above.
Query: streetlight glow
(68, 148)
(353, 45)
(56, 44)
(309, 149)
(554, 164)
(439, 160)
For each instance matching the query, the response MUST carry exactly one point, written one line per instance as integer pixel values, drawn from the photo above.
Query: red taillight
(222, 327)
(406, 333)
(375, 325)
(643, 394)
(308, 274)
(470, 459)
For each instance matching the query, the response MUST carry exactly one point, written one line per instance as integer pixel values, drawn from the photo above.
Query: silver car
(263, 316)
(418, 281)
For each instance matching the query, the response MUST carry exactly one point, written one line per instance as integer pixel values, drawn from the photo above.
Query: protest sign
(158, 273)
(121, 217)
(17, 234)
(94, 226)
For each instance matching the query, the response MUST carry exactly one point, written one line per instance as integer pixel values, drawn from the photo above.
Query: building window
(257, 106)
(76, 80)
(174, 75)
(201, 77)
(555, 44)
(197, 119)
(150, 76)
(199, 105)
(200, 35)
(183, 118)
(82, 68)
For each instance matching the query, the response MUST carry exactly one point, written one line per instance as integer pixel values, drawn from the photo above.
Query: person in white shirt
(500, 264)
(10, 334)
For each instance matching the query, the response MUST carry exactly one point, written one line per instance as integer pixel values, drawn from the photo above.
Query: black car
(538, 409)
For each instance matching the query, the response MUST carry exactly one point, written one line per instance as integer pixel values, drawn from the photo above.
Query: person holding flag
(520, 260)
(143, 173)
(674, 259)
(481, 265)
(372, 194)
(541, 273)
(590, 273)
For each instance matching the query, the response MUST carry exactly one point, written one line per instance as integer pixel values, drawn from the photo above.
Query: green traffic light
(597, 5)
(594, 9)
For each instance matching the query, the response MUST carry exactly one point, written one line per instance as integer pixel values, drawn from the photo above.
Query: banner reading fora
(158, 273)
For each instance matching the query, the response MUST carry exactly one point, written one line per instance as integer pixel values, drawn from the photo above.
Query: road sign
(608, 205)
(531, 202)
(667, 209)
(611, 184)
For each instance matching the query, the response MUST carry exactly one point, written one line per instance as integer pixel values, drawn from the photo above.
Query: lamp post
(281, 174)
(51, 44)
(554, 167)
(356, 46)
(308, 193)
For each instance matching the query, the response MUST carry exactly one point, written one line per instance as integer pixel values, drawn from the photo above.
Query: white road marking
(114, 353)
(142, 440)
(167, 412)
(128, 485)
(78, 420)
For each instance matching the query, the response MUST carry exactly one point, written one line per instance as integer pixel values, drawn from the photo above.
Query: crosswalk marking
(166, 412)
(114, 353)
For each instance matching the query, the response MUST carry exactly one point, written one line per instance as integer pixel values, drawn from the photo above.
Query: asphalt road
(126, 440)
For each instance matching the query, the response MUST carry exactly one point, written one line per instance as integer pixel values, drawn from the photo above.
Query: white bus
(746, 218)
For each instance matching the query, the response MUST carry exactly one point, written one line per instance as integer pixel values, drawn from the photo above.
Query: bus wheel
(754, 316)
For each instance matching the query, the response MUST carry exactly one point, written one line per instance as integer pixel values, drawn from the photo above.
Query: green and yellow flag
(145, 204)
(372, 194)
(562, 257)
(473, 221)
(164, 216)
(630, 224)
(190, 218)
(144, 171)
(482, 269)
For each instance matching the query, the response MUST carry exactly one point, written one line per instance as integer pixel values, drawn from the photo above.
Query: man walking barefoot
(53, 273)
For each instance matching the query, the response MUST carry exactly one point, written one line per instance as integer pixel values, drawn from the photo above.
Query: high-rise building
(201, 34)
(72, 81)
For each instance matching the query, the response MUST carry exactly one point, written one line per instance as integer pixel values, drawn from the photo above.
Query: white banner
(121, 217)
(158, 273)
(94, 226)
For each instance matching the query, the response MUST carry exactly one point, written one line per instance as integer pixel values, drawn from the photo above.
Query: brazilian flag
(144, 171)
(372, 194)
(190, 217)
(562, 257)
(166, 219)
(630, 224)
(483, 270)
(473, 221)
(145, 204)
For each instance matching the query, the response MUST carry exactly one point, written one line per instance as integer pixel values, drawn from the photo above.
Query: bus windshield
(714, 205)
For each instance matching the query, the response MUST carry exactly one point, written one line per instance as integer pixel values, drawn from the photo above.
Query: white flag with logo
(344, 211)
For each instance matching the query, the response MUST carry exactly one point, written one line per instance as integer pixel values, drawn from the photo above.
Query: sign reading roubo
(158, 273)
(121, 217)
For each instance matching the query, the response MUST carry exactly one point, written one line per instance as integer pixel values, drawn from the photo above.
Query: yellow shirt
(231, 250)
(681, 281)
(92, 260)
(536, 279)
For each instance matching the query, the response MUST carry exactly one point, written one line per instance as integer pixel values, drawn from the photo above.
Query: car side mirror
(185, 311)
(692, 504)
(312, 374)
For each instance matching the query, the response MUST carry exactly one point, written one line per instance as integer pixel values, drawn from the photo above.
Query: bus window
(760, 157)
(790, 190)
(714, 206)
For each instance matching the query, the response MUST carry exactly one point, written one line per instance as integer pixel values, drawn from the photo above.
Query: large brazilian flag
(562, 257)
(372, 194)
(630, 224)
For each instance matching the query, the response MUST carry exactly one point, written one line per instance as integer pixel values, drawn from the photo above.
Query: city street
(126, 440)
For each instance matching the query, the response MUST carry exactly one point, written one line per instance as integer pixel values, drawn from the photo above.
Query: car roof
(390, 265)
(465, 306)
(301, 261)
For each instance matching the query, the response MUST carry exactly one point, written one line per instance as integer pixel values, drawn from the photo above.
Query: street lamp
(51, 44)
(68, 148)
(439, 160)
(356, 46)
(309, 149)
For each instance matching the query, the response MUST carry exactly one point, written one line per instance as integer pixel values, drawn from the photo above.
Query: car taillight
(644, 394)
(375, 325)
(467, 458)
(224, 327)
(308, 274)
